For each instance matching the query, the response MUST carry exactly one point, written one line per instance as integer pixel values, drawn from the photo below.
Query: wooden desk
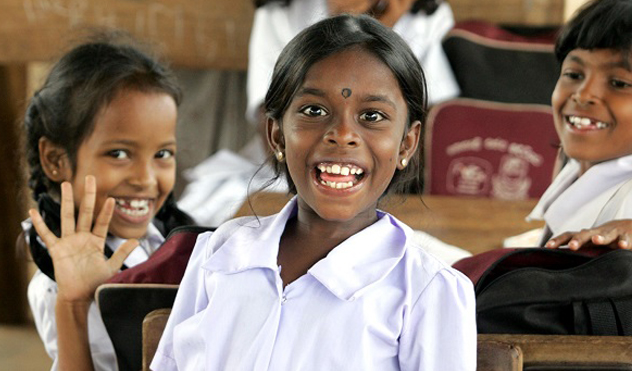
(475, 224)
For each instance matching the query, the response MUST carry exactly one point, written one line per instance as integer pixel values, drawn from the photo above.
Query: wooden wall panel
(190, 33)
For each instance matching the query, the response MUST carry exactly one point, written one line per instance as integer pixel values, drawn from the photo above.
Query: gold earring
(404, 162)
(54, 172)
(279, 156)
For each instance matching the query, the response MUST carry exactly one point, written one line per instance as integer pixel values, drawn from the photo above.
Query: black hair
(599, 24)
(426, 6)
(63, 110)
(334, 35)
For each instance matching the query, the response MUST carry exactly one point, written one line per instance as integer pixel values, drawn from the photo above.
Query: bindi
(346, 93)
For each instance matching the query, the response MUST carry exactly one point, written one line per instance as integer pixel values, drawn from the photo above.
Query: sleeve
(42, 296)
(191, 299)
(440, 329)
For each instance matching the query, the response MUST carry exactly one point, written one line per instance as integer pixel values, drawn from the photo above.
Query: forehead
(601, 58)
(356, 69)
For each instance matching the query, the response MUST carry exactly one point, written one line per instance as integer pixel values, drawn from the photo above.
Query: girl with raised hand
(331, 282)
(100, 141)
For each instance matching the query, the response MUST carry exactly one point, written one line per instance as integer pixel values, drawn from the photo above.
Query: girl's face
(344, 134)
(131, 152)
(592, 106)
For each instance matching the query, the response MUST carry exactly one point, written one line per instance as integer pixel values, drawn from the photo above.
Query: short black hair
(337, 34)
(599, 24)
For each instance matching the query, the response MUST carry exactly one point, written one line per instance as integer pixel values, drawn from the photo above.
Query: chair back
(153, 327)
(488, 149)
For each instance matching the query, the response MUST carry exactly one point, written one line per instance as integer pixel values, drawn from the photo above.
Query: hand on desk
(616, 234)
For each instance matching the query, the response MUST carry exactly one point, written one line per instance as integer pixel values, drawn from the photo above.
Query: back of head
(79, 85)
(599, 24)
(334, 35)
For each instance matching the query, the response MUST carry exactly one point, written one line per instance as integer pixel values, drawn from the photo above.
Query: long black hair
(426, 6)
(63, 110)
(599, 24)
(336, 34)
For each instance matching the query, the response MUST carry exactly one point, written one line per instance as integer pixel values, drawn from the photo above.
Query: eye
(572, 75)
(118, 154)
(372, 116)
(619, 84)
(313, 111)
(164, 154)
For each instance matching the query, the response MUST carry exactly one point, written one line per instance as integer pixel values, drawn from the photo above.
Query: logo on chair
(469, 176)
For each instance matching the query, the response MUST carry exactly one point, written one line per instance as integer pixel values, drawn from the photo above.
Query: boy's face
(592, 106)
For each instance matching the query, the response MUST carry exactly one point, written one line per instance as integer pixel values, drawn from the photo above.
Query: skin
(132, 151)
(367, 130)
(595, 84)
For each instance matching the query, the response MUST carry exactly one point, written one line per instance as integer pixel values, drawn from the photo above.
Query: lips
(339, 175)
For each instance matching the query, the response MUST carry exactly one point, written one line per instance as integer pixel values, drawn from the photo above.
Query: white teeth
(580, 122)
(322, 168)
(344, 170)
(360, 171)
(136, 207)
(335, 169)
(337, 185)
(353, 171)
(340, 169)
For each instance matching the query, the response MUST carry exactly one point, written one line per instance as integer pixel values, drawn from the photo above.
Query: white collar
(361, 260)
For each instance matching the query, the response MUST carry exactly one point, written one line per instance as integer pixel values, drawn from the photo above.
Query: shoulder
(242, 227)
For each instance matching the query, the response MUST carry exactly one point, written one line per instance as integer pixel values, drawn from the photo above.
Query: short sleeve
(191, 298)
(440, 328)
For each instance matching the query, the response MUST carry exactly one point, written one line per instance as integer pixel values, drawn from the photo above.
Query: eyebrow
(368, 98)
(133, 143)
(623, 63)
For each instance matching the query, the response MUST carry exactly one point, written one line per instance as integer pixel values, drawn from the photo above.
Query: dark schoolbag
(542, 291)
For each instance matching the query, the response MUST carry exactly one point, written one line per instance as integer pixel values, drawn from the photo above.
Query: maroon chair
(489, 149)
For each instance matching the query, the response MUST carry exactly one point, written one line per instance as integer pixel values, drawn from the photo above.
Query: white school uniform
(572, 203)
(377, 301)
(42, 295)
(275, 24)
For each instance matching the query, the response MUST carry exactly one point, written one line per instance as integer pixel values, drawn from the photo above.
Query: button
(283, 300)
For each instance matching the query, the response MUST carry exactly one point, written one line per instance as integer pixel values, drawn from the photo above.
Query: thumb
(118, 257)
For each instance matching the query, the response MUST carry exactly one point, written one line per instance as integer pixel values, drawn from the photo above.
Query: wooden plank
(12, 201)
(474, 224)
(189, 33)
(510, 12)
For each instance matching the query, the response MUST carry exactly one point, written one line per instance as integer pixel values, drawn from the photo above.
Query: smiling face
(344, 134)
(592, 105)
(131, 154)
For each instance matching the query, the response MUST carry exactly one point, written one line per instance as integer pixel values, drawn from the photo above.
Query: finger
(86, 210)
(580, 238)
(67, 210)
(605, 237)
(103, 220)
(624, 242)
(118, 257)
(42, 229)
(558, 241)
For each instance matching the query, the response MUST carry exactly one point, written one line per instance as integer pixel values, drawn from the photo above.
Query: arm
(616, 234)
(79, 269)
(440, 328)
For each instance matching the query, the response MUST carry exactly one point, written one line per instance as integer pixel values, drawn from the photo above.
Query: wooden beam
(189, 33)
(12, 200)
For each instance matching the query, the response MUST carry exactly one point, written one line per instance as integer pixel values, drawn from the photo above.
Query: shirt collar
(358, 262)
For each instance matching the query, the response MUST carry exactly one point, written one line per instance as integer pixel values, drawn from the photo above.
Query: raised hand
(80, 265)
(616, 234)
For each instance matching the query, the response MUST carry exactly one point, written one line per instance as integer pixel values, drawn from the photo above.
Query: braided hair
(64, 109)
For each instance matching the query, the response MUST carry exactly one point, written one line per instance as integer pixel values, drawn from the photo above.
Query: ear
(275, 136)
(54, 161)
(409, 144)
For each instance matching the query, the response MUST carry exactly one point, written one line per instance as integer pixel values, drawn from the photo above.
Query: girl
(106, 110)
(329, 283)
(592, 107)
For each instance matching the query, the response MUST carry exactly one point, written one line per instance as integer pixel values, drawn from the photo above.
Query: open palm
(80, 265)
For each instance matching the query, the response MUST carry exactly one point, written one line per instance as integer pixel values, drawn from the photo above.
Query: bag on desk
(542, 291)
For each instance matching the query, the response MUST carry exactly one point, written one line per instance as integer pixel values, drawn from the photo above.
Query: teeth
(136, 207)
(340, 169)
(581, 122)
(337, 185)
(344, 170)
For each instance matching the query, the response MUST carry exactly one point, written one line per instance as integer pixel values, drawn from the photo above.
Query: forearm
(72, 335)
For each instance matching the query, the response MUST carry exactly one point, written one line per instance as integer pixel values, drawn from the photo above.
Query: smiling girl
(331, 282)
(101, 129)
(592, 107)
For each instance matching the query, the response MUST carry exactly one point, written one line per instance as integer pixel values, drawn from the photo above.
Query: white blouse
(377, 301)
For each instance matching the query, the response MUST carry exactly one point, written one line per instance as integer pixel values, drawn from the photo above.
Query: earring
(54, 172)
(404, 162)
(279, 156)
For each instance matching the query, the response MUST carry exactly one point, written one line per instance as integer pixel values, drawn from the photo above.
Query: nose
(342, 133)
(143, 175)
(587, 93)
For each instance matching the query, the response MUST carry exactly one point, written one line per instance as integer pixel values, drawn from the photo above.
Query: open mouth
(339, 175)
(585, 123)
(134, 207)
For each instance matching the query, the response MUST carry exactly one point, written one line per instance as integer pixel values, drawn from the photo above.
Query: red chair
(489, 149)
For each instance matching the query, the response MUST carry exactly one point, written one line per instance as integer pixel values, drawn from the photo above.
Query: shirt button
(283, 300)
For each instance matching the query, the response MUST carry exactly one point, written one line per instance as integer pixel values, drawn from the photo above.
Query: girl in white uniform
(106, 110)
(590, 201)
(331, 282)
